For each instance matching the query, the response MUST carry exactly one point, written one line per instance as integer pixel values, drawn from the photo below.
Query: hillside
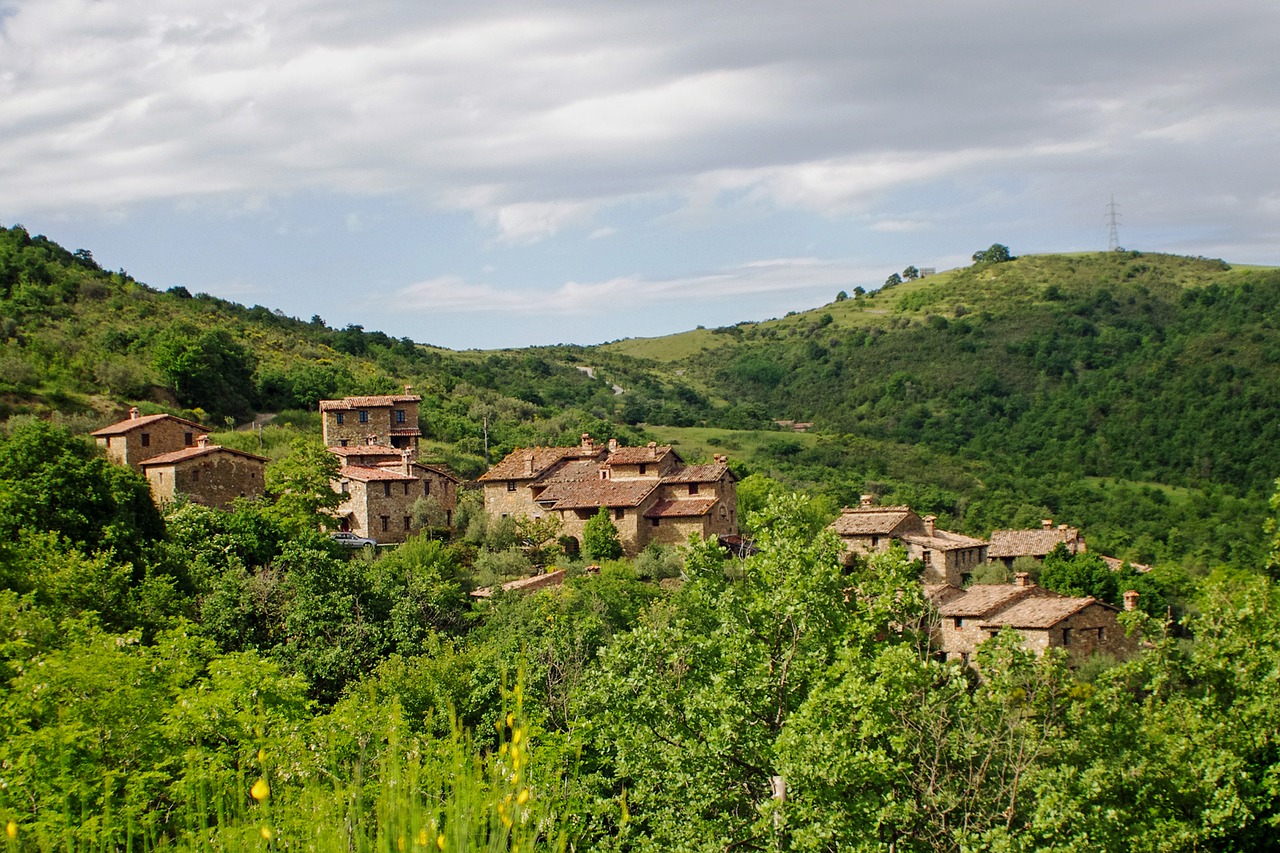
(1135, 395)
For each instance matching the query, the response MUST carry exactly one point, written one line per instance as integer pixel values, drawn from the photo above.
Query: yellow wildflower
(11, 829)
(422, 837)
(260, 790)
(523, 796)
(516, 735)
(511, 720)
(440, 841)
(266, 832)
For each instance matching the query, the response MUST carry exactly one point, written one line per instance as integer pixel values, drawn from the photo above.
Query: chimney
(588, 443)
(928, 524)
(528, 463)
(721, 458)
(134, 414)
(613, 445)
(1022, 579)
(1131, 600)
(408, 390)
(1047, 524)
(653, 448)
(371, 439)
(202, 441)
(867, 500)
(406, 460)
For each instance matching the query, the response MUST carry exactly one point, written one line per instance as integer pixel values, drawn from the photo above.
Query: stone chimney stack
(408, 390)
(867, 500)
(613, 445)
(1022, 579)
(1131, 600)
(929, 524)
(528, 463)
(588, 443)
(653, 449)
(721, 458)
(406, 462)
(134, 414)
(1047, 524)
(202, 441)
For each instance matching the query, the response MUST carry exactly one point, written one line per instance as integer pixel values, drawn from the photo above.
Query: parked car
(350, 540)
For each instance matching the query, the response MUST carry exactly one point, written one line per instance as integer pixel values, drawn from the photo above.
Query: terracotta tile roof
(984, 599)
(518, 464)
(366, 450)
(348, 403)
(1115, 564)
(638, 455)
(574, 471)
(943, 540)
(555, 578)
(441, 470)
(698, 473)
(192, 452)
(941, 593)
(588, 494)
(1030, 543)
(882, 520)
(130, 424)
(367, 475)
(1040, 611)
(682, 508)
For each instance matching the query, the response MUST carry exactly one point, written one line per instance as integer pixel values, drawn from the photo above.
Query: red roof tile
(589, 494)
(686, 508)
(531, 463)
(698, 474)
(130, 424)
(192, 452)
(638, 455)
(1040, 612)
(1031, 543)
(367, 475)
(943, 540)
(983, 599)
(348, 403)
(865, 521)
(366, 450)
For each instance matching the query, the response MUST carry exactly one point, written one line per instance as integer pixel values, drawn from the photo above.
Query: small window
(1066, 636)
(406, 487)
(448, 518)
(340, 418)
(146, 439)
(188, 439)
(511, 485)
(386, 489)
(958, 623)
(426, 487)
(342, 442)
(407, 521)
(386, 522)
(195, 475)
(693, 488)
(643, 467)
(344, 487)
(654, 521)
(399, 416)
(927, 557)
(619, 513)
(364, 416)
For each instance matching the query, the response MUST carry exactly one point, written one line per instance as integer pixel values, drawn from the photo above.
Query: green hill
(1135, 394)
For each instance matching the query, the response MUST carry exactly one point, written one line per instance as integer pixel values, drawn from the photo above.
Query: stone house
(141, 437)
(1007, 545)
(651, 495)
(380, 486)
(1045, 619)
(948, 558)
(207, 474)
(390, 420)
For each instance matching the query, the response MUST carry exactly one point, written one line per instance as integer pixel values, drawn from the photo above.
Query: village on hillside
(649, 494)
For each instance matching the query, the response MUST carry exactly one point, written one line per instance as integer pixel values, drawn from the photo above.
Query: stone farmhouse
(651, 495)
(207, 474)
(175, 456)
(1045, 619)
(379, 476)
(948, 558)
(1007, 545)
(139, 437)
(390, 421)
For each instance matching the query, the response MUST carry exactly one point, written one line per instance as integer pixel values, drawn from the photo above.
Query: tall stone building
(207, 474)
(390, 420)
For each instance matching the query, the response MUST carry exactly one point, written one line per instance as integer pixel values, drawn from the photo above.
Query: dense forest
(189, 678)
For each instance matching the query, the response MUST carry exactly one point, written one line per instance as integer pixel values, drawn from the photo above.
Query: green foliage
(995, 254)
(600, 537)
(208, 369)
(300, 487)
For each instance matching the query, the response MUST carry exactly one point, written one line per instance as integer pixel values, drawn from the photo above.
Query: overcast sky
(504, 174)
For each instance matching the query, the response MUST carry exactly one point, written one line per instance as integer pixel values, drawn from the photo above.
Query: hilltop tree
(997, 253)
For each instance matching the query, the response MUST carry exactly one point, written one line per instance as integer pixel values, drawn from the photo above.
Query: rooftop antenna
(1113, 218)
